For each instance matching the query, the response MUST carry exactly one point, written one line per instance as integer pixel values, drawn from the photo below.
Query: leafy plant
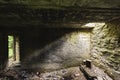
(10, 46)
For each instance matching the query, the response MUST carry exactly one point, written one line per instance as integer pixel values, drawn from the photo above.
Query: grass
(10, 46)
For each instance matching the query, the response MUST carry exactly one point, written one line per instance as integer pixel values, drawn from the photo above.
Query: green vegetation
(10, 46)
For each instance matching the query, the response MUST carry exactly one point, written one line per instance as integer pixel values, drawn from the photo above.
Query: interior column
(3, 50)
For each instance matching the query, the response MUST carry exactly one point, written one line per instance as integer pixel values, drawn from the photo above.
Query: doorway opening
(13, 50)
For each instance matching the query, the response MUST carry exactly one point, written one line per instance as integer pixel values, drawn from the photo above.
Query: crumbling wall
(106, 46)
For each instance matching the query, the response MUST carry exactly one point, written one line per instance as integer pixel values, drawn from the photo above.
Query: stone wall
(106, 45)
(53, 48)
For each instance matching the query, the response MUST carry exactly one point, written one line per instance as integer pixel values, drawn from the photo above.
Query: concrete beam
(22, 16)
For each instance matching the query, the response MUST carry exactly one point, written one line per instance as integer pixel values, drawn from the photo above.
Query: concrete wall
(3, 51)
(54, 48)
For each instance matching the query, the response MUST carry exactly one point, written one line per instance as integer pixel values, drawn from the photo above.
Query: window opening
(13, 50)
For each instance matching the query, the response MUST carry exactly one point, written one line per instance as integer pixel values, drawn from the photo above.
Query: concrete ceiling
(66, 3)
(41, 13)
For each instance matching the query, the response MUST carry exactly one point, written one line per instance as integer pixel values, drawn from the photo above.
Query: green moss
(10, 46)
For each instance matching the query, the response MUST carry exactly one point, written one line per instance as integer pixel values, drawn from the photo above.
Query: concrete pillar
(3, 50)
(16, 49)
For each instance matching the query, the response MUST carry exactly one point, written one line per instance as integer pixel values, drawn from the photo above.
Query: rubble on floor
(85, 71)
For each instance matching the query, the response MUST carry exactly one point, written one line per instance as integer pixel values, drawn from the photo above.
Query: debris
(77, 75)
(87, 63)
(74, 73)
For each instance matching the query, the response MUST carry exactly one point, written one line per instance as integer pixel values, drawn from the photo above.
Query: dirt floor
(82, 72)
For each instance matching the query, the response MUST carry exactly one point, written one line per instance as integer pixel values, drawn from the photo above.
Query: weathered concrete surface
(23, 14)
(66, 3)
(51, 49)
